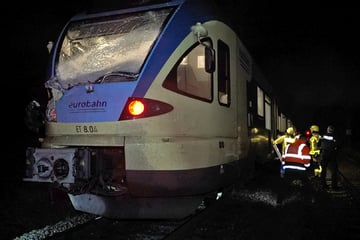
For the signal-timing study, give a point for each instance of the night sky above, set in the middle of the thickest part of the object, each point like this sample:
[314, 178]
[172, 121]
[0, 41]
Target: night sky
[310, 54]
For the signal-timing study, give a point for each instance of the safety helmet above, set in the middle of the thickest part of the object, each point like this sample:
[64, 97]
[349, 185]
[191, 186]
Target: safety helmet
[330, 129]
[290, 131]
[314, 128]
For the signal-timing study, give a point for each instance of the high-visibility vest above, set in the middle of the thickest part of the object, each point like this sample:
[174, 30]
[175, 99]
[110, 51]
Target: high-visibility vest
[314, 145]
[296, 156]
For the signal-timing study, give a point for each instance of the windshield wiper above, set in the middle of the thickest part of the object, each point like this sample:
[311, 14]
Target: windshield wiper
[124, 76]
[54, 83]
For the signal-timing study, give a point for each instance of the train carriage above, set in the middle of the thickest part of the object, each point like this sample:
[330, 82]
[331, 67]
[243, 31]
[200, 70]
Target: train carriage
[151, 109]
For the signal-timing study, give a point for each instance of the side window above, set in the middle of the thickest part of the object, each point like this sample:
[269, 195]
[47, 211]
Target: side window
[267, 112]
[189, 77]
[260, 102]
[223, 73]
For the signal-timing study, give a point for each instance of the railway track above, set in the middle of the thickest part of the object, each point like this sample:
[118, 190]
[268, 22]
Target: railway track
[236, 213]
[88, 226]
[184, 230]
[349, 176]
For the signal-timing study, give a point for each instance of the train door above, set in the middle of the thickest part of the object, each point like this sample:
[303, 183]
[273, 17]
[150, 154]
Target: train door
[233, 72]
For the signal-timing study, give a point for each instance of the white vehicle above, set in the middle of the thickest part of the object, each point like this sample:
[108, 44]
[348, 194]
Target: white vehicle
[152, 109]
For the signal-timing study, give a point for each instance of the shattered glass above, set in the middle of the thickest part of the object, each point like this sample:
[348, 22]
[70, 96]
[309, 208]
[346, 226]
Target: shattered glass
[107, 46]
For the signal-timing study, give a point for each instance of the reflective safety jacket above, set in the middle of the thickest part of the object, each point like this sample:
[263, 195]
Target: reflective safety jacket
[296, 156]
[284, 140]
[314, 145]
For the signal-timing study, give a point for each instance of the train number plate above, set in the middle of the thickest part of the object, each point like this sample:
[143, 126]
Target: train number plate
[86, 129]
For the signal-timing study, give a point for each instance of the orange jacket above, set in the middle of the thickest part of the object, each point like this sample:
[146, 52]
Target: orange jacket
[296, 156]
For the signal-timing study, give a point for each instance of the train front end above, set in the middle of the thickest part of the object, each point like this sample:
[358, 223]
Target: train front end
[96, 67]
[108, 144]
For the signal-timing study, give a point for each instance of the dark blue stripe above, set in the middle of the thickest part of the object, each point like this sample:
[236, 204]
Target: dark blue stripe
[178, 27]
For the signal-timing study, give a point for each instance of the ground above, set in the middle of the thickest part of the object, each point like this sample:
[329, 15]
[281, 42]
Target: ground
[249, 212]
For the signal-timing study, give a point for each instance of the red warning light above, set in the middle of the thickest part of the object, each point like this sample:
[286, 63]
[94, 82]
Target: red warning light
[136, 108]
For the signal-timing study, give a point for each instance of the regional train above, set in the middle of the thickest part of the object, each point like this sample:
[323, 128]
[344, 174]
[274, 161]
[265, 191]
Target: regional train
[152, 109]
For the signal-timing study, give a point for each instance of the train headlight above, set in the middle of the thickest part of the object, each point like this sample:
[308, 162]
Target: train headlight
[142, 107]
[136, 107]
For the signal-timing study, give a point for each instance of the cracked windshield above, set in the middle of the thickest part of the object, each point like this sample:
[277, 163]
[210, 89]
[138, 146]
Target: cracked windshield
[106, 50]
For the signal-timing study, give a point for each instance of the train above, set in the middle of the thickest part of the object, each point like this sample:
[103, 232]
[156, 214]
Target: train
[151, 109]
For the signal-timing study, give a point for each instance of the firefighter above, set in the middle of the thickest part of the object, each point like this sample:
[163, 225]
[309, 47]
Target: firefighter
[297, 156]
[315, 149]
[286, 139]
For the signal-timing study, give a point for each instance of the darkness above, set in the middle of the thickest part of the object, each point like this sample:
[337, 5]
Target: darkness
[310, 55]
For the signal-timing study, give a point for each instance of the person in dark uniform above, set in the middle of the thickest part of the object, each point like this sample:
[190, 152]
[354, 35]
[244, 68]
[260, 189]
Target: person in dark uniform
[328, 155]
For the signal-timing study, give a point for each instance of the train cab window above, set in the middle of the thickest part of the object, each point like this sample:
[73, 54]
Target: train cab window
[189, 77]
[223, 73]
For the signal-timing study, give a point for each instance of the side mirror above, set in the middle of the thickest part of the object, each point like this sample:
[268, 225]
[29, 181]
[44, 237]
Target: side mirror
[200, 32]
[209, 59]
